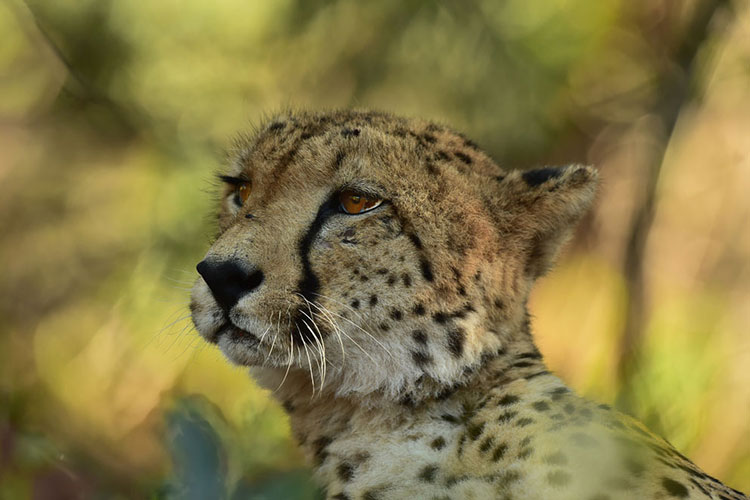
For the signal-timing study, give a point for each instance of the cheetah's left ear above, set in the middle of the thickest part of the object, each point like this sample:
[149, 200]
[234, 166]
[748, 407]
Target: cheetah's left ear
[542, 207]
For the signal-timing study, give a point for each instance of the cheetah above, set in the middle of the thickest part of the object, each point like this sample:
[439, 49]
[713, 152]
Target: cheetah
[373, 272]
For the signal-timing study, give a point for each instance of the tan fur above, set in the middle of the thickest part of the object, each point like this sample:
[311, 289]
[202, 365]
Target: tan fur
[398, 340]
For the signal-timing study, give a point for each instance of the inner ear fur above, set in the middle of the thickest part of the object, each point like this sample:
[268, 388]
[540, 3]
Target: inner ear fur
[539, 209]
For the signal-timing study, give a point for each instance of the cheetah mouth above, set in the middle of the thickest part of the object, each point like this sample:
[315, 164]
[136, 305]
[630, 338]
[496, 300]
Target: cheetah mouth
[236, 335]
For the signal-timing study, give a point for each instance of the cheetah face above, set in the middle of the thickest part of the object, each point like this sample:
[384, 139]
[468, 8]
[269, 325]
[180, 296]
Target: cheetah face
[375, 253]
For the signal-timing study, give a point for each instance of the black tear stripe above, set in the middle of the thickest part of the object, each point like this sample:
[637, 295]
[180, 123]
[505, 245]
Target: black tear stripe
[309, 285]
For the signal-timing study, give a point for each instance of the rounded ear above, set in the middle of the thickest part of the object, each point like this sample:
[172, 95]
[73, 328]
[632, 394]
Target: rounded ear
[540, 208]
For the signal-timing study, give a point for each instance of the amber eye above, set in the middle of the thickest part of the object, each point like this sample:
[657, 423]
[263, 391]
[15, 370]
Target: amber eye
[242, 192]
[354, 203]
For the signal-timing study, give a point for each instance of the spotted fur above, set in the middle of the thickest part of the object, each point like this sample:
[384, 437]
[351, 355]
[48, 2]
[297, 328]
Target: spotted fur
[398, 340]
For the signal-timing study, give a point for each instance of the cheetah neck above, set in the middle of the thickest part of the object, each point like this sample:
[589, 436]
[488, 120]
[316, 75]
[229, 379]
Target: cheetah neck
[314, 419]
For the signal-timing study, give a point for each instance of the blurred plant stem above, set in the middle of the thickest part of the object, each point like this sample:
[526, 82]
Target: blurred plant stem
[677, 88]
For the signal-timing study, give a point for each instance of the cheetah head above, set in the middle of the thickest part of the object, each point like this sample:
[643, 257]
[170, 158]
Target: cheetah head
[376, 254]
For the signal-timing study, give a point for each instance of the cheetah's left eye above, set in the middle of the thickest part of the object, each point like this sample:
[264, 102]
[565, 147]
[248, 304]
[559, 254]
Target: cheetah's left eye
[242, 192]
[354, 203]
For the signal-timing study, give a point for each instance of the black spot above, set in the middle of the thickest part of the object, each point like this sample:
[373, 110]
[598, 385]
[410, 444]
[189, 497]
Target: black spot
[541, 175]
[426, 269]
[486, 444]
[525, 453]
[432, 169]
[339, 159]
[499, 452]
[408, 400]
[407, 279]
[499, 178]
[345, 471]
[508, 400]
[558, 392]
[364, 278]
[449, 418]
[507, 416]
[428, 473]
[463, 157]
[396, 314]
[509, 477]
[370, 495]
[438, 443]
[419, 310]
[350, 132]
[440, 317]
[475, 430]
[420, 358]
[415, 240]
[429, 138]
[340, 496]
[399, 132]
[523, 422]
[499, 304]
[541, 406]
[556, 459]
[558, 478]
[461, 442]
[276, 126]
[355, 304]
[391, 280]
[419, 337]
[382, 270]
[674, 488]
[319, 448]
[446, 393]
[288, 406]
[470, 144]
[454, 480]
[456, 340]
[384, 326]
[373, 300]
[287, 158]
[305, 135]
[536, 374]
[522, 364]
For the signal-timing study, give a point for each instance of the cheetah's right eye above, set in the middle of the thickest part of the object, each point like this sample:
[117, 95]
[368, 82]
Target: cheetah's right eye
[354, 203]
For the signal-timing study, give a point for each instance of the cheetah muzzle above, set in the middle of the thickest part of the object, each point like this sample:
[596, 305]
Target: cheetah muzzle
[373, 271]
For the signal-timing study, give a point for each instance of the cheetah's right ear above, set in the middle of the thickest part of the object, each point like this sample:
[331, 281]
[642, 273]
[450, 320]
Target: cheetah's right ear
[540, 208]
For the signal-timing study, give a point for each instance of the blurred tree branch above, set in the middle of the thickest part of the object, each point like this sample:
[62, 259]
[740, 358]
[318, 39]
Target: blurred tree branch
[79, 85]
[677, 89]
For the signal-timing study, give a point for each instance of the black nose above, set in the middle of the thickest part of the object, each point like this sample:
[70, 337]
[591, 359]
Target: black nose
[229, 280]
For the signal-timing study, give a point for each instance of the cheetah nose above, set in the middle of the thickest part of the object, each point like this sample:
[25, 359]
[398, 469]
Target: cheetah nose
[229, 280]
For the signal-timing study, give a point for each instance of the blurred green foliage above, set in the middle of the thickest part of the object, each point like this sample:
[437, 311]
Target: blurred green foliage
[113, 118]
